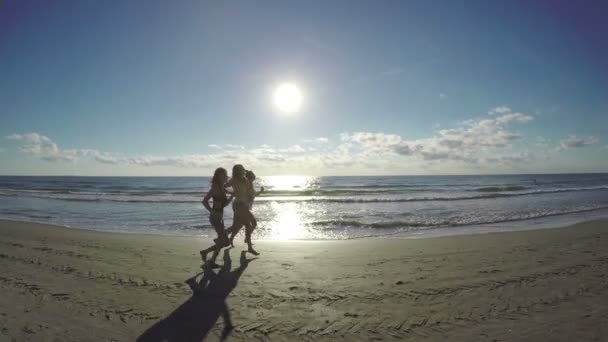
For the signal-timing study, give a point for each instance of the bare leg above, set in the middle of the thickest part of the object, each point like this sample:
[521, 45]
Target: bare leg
[204, 252]
[250, 228]
[248, 231]
[220, 242]
[234, 231]
[253, 223]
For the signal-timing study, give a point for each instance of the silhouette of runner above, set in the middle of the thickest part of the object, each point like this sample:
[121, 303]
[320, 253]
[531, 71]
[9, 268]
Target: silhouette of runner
[193, 320]
[216, 213]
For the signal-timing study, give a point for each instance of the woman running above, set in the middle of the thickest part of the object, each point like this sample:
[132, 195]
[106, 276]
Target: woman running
[216, 213]
[242, 216]
[251, 195]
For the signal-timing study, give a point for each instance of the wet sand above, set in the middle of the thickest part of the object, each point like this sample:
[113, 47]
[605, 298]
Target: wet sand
[74, 285]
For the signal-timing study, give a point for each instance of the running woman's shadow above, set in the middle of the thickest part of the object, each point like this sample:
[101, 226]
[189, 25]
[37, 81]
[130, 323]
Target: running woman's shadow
[193, 320]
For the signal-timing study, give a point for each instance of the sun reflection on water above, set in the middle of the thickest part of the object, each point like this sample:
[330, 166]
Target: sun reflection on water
[289, 182]
[288, 220]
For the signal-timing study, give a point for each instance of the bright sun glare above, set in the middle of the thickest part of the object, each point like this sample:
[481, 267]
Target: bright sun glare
[287, 97]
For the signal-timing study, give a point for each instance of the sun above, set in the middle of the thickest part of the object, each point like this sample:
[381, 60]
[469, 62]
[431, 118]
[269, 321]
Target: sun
[287, 97]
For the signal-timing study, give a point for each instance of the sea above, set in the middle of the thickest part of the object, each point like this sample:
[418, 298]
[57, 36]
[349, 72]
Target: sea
[306, 207]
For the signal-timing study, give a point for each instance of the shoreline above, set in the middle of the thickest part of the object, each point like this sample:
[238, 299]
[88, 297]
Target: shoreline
[547, 222]
[72, 284]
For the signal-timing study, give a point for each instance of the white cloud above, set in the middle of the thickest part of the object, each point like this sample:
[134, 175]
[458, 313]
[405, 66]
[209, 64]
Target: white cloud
[510, 159]
[573, 141]
[44, 148]
[484, 142]
[375, 141]
[293, 149]
[517, 117]
[36, 144]
[33, 138]
[235, 147]
[463, 143]
[106, 158]
[227, 146]
[499, 110]
[442, 96]
[320, 140]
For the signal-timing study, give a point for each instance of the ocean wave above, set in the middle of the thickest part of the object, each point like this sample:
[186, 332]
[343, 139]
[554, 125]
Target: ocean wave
[322, 197]
[502, 188]
[341, 224]
[455, 198]
[333, 192]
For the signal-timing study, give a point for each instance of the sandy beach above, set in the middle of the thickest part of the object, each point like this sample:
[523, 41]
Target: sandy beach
[61, 284]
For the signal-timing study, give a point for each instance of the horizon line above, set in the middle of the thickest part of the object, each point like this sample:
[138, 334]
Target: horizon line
[402, 175]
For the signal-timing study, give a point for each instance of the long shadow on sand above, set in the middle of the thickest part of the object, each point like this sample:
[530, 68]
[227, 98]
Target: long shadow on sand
[193, 320]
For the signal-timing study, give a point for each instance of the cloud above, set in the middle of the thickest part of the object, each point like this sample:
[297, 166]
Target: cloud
[483, 142]
[36, 144]
[517, 117]
[442, 96]
[462, 143]
[511, 159]
[41, 146]
[499, 110]
[33, 138]
[572, 141]
[106, 158]
[227, 146]
[293, 149]
[375, 141]
[235, 147]
[44, 148]
[320, 140]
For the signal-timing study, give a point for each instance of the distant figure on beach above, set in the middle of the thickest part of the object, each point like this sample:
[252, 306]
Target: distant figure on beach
[220, 200]
[242, 191]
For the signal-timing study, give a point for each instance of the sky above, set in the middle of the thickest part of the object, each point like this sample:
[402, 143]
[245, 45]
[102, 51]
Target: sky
[178, 88]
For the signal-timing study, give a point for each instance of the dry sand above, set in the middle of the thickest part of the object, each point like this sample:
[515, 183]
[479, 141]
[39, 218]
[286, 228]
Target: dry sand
[61, 284]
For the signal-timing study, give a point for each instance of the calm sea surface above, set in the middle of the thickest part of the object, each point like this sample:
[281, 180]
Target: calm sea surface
[300, 207]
